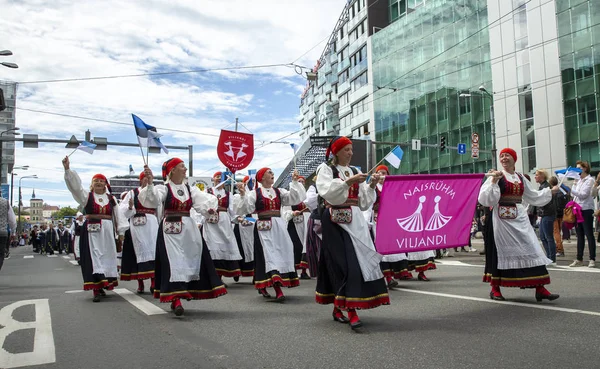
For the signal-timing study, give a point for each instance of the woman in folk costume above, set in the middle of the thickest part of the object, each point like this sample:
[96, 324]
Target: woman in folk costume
[297, 218]
[103, 222]
[76, 232]
[183, 267]
[139, 247]
[513, 255]
[392, 266]
[349, 273]
[313, 238]
[218, 233]
[273, 248]
[244, 235]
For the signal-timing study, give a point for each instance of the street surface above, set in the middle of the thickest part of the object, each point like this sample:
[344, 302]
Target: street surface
[450, 322]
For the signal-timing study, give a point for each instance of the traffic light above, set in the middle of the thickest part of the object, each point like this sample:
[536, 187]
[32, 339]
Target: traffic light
[442, 143]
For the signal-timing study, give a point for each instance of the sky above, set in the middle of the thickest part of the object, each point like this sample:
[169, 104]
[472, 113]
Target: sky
[66, 40]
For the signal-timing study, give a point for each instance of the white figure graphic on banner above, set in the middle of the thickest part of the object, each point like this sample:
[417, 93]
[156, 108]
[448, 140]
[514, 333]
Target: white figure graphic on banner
[414, 222]
[437, 220]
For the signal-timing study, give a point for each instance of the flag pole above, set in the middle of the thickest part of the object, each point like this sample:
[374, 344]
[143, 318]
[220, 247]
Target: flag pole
[563, 178]
[376, 165]
[143, 159]
[73, 152]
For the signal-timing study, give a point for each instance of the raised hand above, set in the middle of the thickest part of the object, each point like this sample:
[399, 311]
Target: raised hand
[148, 174]
[241, 188]
[65, 163]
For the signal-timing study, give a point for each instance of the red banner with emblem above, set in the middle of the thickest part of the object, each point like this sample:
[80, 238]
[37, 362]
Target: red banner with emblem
[235, 149]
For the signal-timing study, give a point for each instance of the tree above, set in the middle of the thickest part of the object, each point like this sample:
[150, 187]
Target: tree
[65, 212]
[16, 210]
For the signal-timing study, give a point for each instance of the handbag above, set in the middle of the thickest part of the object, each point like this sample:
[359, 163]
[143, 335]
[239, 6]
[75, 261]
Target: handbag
[507, 211]
[341, 215]
[139, 220]
[264, 224]
[213, 218]
[569, 216]
[173, 225]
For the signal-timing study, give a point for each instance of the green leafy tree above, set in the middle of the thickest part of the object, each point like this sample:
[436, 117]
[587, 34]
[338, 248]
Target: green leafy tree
[65, 212]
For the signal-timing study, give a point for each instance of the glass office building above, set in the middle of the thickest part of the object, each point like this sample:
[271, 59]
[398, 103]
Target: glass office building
[428, 66]
[579, 46]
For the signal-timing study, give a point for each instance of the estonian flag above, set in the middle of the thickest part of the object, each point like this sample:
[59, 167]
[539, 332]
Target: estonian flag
[569, 172]
[147, 135]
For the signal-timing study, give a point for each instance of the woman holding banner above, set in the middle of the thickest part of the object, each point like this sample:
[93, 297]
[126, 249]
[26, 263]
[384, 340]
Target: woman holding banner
[273, 248]
[513, 257]
[139, 248]
[218, 232]
[184, 269]
[392, 266]
[349, 276]
[103, 222]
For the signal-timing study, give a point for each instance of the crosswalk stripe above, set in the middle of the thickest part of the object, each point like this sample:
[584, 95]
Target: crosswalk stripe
[66, 257]
[559, 268]
[52, 256]
[28, 257]
[74, 262]
[145, 306]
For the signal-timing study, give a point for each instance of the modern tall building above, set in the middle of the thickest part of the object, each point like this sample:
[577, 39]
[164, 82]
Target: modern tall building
[488, 74]
[7, 121]
[337, 102]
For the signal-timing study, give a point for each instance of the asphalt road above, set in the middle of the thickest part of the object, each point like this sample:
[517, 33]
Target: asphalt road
[449, 322]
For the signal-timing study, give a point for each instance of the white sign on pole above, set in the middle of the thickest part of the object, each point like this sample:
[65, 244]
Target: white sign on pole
[416, 144]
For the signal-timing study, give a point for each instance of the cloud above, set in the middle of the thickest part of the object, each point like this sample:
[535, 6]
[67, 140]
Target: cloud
[68, 39]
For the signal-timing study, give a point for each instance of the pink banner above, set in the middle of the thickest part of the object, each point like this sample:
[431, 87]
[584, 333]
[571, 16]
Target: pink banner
[426, 212]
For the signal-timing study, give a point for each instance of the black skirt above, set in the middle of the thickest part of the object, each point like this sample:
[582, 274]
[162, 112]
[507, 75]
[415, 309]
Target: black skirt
[340, 281]
[247, 268]
[130, 269]
[524, 277]
[209, 286]
[91, 281]
[396, 269]
[313, 248]
[300, 258]
[264, 279]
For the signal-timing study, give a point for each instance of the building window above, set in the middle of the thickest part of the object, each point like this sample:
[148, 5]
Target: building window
[343, 77]
[359, 81]
[360, 107]
[344, 99]
[465, 106]
[587, 110]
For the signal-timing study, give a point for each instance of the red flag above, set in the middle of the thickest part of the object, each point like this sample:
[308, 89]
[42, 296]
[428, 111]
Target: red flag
[235, 149]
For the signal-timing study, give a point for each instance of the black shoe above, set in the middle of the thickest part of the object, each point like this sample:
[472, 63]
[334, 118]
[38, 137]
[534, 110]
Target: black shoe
[551, 297]
[356, 326]
[280, 298]
[341, 319]
[304, 276]
[152, 290]
[96, 298]
[178, 310]
[264, 293]
[236, 278]
[101, 293]
[393, 283]
[497, 298]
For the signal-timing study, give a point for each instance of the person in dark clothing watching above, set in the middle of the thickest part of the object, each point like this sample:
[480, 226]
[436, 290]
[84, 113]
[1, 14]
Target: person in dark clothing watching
[547, 213]
[52, 239]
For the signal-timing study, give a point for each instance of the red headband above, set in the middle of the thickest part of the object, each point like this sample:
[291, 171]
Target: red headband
[218, 174]
[101, 176]
[510, 152]
[300, 177]
[382, 167]
[168, 166]
[246, 179]
[142, 176]
[261, 172]
[336, 145]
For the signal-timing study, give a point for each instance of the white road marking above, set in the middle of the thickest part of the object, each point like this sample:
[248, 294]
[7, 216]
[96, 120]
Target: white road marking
[52, 256]
[74, 262]
[145, 306]
[560, 268]
[43, 342]
[66, 257]
[74, 291]
[28, 257]
[521, 304]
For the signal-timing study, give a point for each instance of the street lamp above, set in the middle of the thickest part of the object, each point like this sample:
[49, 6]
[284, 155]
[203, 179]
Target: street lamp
[12, 180]
[492, 122]
[21, 202]
[9, 131]
[7, 64]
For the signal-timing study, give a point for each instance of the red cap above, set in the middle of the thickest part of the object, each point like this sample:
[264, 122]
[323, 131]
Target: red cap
[337, 144]
[168, 166]
[102, 176]
[142, 175]
[218, 174]
[510, 152]
[246, 179]
[382, 167]
[261, 172]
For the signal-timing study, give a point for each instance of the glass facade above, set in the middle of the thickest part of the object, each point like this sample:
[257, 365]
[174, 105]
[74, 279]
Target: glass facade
[579, 46]
[427, 69]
